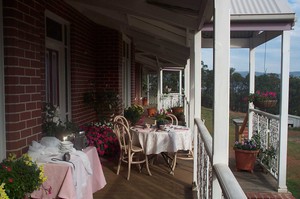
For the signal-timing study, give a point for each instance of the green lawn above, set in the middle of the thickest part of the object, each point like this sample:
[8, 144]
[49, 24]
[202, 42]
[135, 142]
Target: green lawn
[293, 166]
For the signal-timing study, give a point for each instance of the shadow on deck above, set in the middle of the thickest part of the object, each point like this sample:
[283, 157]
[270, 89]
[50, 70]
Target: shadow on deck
[162, 185]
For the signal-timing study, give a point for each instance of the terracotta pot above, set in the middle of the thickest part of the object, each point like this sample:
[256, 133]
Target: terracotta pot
[151, 111]
[245, 159]
[176, 110]
[145, 101]
[265, 104]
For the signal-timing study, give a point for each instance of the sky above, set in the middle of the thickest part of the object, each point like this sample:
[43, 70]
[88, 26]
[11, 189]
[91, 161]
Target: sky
[267, 55]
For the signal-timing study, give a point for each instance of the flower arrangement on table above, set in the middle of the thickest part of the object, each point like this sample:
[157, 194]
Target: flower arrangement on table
[133, 113]
[269, 98]
[103, 138]
[51, 121]
[20, 176]
[161, 117]
[52, 124]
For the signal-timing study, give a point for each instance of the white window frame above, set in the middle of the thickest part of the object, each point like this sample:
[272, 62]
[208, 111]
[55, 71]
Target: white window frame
[60, 46]
[126, 72]
[2, 93]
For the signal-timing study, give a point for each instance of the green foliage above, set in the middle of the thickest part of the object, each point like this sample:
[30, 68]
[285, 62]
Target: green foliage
[171, 82]
[133, 113]
[266, 156]
[161, 117]
[152, 84]
[249, 145]
[52, 124]
[105, 103]
[294, 96]
[260, 96]
[20, 176]
[207, 83]
[239, 90]
[293, 186]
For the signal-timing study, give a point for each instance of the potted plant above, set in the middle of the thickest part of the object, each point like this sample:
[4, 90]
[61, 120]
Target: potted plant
[161, 117]
[52, 124]
[133, 113]
[151, 111]
[20, 176]
[104, 102]
[103, 138]
[176, 110]
[262, 99]
[246, 153]
[145, 101]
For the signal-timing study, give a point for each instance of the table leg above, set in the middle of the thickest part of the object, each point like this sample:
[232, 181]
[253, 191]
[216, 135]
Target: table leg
[167, 158]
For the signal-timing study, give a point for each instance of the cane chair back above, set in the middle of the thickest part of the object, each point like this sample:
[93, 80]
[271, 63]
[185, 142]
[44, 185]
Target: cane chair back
[173, 118]
[121, 119]
[129, 153]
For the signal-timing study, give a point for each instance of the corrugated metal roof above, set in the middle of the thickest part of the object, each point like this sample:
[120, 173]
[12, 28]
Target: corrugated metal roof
[257, 7]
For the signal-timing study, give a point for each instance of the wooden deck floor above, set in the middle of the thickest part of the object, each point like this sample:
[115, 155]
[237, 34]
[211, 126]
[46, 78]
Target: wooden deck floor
[162, 185]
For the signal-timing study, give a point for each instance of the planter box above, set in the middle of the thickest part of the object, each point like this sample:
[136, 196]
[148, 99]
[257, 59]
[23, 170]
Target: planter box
[265, 104]
[245, 160]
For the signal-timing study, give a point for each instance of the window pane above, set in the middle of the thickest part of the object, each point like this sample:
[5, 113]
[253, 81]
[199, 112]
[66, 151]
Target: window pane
[53, 29]
[170, 81]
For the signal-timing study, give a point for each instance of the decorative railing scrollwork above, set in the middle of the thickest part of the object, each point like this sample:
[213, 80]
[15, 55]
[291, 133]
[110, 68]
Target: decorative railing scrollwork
[267, 126]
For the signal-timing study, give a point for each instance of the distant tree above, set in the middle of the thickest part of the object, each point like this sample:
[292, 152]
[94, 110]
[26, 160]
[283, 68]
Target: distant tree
[294, 96]
[239, 89]
[207, 90]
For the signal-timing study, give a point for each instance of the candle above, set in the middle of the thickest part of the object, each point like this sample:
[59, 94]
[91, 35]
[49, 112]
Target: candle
[65, 138]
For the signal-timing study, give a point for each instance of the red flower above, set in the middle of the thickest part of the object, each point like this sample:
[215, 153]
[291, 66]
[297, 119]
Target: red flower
[8, 169]
[10, 180]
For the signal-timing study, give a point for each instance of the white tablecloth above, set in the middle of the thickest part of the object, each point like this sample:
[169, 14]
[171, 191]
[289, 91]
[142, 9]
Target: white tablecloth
[169, 140]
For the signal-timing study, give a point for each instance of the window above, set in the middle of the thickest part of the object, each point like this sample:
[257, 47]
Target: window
[57, 69]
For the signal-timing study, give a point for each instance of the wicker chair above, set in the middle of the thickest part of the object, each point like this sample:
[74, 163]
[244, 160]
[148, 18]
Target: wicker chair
[173, 118]
[130, 153]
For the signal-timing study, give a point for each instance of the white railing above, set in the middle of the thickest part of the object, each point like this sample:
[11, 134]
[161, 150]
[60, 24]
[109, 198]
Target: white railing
[228, 183]
[267, 126]
[171, 100]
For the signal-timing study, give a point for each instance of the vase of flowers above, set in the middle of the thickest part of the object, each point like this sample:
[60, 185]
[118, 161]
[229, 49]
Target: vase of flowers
[52, 124]
[161, 117]
[265, 99]
[20, 176]
[246, 153]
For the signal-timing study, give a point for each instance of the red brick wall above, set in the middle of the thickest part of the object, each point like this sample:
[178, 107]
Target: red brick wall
[95, 54]
[22, 59]
[109, 62]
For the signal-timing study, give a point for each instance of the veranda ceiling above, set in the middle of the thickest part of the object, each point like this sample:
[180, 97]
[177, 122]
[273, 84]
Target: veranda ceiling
[162, 29]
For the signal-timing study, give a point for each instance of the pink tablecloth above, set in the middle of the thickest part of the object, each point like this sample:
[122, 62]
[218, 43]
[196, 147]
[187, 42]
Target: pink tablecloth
[61, 179]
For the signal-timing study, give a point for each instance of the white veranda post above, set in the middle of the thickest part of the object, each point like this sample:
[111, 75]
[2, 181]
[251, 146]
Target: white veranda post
[284, 100]
[221, 87]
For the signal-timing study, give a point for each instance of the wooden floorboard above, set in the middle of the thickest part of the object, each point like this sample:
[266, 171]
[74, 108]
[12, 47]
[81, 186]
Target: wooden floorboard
[161, 185]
